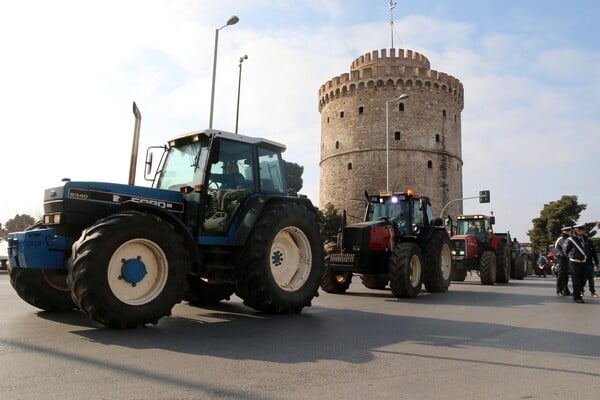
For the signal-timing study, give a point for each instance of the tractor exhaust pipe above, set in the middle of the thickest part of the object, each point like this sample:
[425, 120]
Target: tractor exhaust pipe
[136, 142]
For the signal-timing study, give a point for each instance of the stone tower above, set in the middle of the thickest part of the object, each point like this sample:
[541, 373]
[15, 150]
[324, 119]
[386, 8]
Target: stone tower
[424, 132]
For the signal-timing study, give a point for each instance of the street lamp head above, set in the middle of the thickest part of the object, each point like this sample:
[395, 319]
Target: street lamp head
[233, 20]
[245, 57]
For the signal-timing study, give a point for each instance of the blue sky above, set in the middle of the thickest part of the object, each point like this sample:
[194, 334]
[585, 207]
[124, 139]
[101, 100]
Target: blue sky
[71, 69]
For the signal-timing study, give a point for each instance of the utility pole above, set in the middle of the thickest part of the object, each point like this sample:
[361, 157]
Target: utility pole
[392, 6]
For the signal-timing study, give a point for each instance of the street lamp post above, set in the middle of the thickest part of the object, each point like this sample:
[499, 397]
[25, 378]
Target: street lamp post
[237, 110]
[387, 138]
[231, 21]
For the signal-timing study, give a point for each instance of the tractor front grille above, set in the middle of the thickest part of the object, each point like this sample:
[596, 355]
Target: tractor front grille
[342, 258]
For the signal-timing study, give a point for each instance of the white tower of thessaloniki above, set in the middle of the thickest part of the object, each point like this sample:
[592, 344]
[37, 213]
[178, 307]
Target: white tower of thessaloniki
[424, 132]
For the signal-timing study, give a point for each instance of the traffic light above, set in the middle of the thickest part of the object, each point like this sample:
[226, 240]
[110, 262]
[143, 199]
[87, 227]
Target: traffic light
[484, 196]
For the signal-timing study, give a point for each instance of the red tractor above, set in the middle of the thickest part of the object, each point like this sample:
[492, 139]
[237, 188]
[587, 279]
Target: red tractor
[475, 247]
[398, 242]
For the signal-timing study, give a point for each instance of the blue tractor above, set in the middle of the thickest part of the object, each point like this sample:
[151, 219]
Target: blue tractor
[217, 221]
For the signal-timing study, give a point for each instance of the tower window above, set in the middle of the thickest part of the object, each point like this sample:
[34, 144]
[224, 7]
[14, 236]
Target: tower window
[349, 166]
[361, 110]
[401, 107]
[444, 113]
[341, 114]
[337, 144]
[397, 135]
[437, 138]
[327, 119]
[429, 164]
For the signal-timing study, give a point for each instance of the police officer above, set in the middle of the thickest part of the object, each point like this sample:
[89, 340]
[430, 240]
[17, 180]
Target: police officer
[575, 249]
[562, 276]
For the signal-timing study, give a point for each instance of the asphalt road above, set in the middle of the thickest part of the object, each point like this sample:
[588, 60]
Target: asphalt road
[514, 341]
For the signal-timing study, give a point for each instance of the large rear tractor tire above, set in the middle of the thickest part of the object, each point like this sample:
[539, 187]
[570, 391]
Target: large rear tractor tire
[406, 267]
[487, 268]
[438, 259]
[502, 263]
[375, 281]
[46, 289]
[281, 265]
[129, 270]
[520, 268]
[202, 293]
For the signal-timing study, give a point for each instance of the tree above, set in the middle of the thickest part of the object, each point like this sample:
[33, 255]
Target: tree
[293, 174]
[3, 232]
[17, 224]
[332, 221]
[554, 215]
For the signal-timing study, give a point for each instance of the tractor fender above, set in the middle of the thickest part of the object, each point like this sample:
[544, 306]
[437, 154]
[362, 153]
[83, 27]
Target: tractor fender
[178, 224]
[253, 207]
[495, 242]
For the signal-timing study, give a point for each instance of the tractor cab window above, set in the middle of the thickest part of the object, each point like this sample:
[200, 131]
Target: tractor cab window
[394, 209]
[270, 171]
[183, 166]
[230, 181]
[472, 227]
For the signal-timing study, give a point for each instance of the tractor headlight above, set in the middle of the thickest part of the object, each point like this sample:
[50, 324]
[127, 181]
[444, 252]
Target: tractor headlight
[52, 219]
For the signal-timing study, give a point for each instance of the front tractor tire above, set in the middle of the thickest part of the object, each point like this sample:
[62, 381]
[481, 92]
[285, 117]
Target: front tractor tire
[129, 270]
[405, 269]
[45, 289]
[334, 281]
[281, 265]
[439, 262]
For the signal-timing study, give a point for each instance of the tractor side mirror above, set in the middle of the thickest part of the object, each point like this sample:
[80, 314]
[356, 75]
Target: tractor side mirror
[492, 220]
[149, 158]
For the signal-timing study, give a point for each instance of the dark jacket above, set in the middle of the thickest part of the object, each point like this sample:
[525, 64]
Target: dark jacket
[590, 252]
[576, 248]
[560, 246]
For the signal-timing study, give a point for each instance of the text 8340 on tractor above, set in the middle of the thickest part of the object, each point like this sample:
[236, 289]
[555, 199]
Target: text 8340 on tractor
[398, 242]
[217, 221]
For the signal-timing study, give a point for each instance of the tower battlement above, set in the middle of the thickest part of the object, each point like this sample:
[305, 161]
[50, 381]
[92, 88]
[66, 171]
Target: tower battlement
[400, 68]
[396, 56]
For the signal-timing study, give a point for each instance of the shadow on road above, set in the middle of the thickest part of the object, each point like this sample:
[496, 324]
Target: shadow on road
[233, 331]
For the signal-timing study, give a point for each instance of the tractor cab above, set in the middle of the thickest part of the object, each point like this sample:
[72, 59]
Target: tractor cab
[217, 172]
[406, 210]
[479, 226]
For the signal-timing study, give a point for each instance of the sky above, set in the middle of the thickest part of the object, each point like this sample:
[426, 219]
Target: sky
[71, 70]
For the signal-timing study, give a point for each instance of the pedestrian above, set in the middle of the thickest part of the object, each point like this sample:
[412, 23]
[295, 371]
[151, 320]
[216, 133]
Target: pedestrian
[542, 261]
[575, 249]
[591, 262]
[562, 275]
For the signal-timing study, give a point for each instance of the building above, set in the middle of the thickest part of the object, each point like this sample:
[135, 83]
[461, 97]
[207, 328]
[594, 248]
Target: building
[424, 132]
